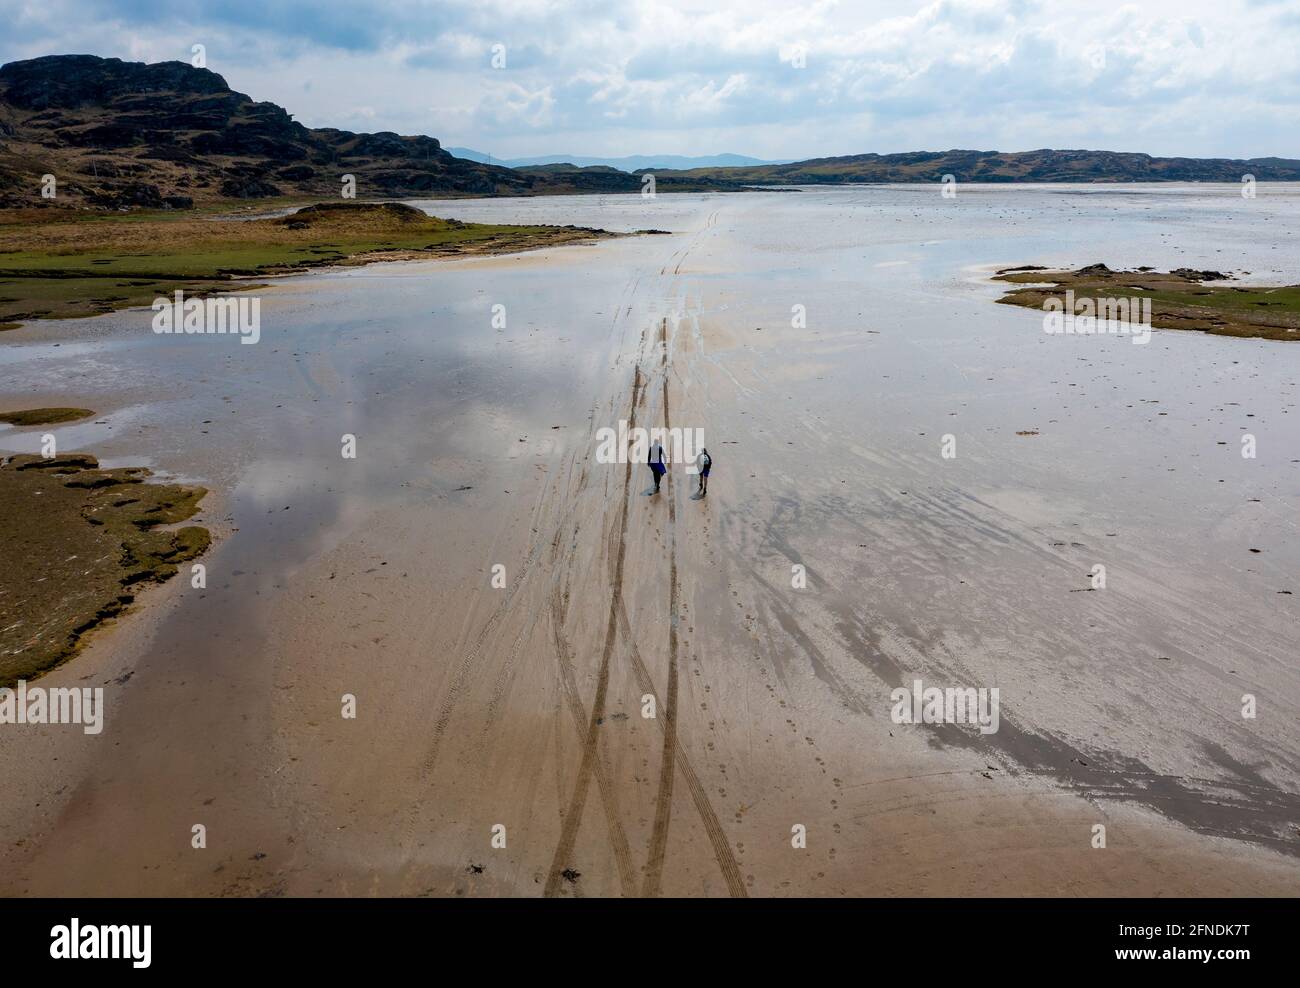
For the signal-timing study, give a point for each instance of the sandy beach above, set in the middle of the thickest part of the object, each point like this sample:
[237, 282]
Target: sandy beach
[826, 342]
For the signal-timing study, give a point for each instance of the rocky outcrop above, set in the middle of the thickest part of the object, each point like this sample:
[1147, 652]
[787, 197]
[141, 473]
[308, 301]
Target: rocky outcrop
[121, 134]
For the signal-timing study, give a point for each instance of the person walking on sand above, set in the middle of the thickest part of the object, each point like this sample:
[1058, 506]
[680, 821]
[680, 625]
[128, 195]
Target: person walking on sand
[656, 463]
[704, 462]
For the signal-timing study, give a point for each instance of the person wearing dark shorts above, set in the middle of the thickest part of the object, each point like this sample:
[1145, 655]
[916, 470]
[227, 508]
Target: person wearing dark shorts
[656, 463]
[705, 462]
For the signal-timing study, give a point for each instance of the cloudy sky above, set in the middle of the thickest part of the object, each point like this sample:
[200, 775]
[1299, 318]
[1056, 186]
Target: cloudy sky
[770, 78]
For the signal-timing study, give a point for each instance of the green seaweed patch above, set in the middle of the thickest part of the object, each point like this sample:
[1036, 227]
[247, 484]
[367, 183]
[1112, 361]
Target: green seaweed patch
[80, 542]
[45, 416]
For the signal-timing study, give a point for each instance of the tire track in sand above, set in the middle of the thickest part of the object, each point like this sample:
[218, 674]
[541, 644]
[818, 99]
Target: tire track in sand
[674, 754]
[469, 657]
[712, 825]
[573, 817]
[573, 699]
[667, 758]
[617, 836]
[722, 851]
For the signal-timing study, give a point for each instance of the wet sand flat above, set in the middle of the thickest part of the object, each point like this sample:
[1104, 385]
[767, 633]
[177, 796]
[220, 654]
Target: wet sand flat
[517, 711]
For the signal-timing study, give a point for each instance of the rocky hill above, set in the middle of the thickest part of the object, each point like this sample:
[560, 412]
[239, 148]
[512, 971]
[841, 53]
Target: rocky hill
[122, 134]
[1001, 166]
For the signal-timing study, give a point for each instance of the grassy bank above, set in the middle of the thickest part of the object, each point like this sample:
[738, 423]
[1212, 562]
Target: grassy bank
[66, 263]
[1180, 299]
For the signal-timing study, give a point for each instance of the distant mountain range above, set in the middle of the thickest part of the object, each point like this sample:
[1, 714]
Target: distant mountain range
[630, 163]
[1001, 166]
[119, 135]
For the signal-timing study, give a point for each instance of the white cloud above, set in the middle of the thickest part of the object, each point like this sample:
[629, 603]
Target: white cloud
[1195, 77]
